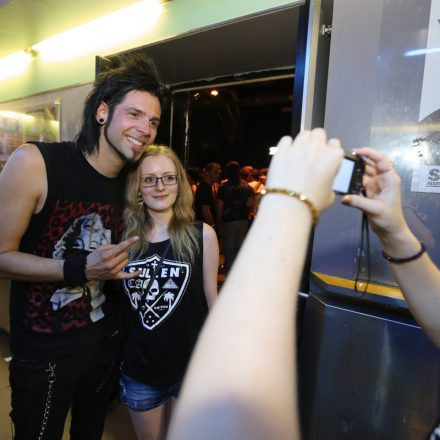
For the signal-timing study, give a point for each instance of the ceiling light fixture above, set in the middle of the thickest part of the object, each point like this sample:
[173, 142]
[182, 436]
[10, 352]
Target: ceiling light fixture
[15, 115]
[15, 64]
[103, 33]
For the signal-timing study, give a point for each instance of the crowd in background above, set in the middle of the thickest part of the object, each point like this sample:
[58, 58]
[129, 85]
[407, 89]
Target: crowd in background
[227, 200]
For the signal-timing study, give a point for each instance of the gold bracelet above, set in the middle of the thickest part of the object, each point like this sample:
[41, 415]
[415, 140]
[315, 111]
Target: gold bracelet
[299, 196]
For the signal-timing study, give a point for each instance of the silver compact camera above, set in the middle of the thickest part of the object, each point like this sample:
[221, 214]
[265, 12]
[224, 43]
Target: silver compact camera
[349, 177]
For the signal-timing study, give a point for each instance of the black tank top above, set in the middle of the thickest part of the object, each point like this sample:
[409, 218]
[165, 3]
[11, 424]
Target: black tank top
[82, 211]
[164, 321]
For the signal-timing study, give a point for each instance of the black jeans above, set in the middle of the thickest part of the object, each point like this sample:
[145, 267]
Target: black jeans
[83, 382]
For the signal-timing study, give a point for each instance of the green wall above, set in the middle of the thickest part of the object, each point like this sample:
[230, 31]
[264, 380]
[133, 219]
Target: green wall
[179, 16]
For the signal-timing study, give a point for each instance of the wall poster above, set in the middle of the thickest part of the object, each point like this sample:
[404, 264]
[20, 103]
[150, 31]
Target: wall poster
[34, 124]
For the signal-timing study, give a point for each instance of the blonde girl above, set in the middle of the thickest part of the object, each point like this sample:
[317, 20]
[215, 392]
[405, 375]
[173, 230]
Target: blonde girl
[177, 262]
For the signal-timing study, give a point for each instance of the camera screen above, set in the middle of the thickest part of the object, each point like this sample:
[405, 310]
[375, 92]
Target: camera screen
[341, 184]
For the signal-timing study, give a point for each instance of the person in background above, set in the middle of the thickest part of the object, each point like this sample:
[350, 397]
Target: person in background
[234, 203]
[263, 175]
[169, 299]
[247, 174]
[241, 380]
[61, 220]
[194, 177]
[204, 197]
[258, 185]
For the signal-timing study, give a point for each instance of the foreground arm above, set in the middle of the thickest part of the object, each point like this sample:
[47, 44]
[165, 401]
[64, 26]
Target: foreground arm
[23, 191]
[241, 380]
[419, 280]
[210, 264]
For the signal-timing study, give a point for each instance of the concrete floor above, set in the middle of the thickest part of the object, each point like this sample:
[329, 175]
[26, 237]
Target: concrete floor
[117, 425]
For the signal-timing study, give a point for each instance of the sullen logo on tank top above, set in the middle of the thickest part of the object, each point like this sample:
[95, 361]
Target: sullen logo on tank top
[165, 292]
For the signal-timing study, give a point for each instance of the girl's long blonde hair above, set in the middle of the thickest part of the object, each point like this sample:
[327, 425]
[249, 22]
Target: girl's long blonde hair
[184, 235]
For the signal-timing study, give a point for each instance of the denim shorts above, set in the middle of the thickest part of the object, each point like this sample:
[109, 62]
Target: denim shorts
[139, 396]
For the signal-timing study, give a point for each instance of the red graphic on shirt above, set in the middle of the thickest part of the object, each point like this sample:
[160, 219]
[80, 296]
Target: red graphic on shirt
[74, 228]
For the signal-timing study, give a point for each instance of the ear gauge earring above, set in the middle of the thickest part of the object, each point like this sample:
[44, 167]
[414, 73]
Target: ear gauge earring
[101, 121]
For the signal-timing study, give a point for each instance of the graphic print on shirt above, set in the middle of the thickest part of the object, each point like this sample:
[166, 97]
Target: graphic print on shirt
[165, 292]
[74, 227]
[86, 233]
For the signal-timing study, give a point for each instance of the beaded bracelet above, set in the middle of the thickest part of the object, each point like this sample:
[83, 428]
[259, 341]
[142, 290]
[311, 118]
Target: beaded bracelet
[299, 196]
[407, 259]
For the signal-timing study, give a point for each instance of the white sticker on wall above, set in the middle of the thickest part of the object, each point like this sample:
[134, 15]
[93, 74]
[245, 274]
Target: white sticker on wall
[426, 179]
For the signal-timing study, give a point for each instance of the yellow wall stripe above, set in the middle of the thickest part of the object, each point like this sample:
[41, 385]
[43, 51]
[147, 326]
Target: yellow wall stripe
[375, 289]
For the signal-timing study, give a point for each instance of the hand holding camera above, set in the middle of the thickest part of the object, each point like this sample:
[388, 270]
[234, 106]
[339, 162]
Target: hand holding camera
[307, 165]
[382, 203]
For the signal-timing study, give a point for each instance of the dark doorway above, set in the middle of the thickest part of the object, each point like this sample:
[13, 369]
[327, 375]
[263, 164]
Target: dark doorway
[250, 113]
[231, 122]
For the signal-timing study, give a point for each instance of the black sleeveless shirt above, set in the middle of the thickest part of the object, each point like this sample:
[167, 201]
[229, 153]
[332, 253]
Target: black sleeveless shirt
[82, 211]
[164, 321]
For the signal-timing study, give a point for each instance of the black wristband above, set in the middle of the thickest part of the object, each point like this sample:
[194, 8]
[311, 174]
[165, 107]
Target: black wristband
[74, 270]
[407, 259]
